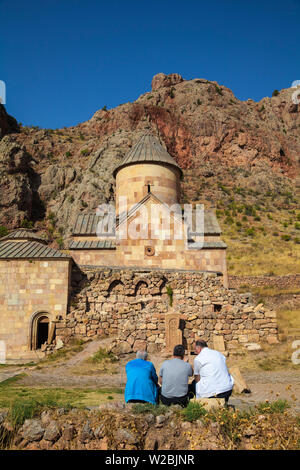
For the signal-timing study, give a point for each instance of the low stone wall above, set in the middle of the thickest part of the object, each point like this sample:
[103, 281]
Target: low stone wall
[133, 306]
[281, 282]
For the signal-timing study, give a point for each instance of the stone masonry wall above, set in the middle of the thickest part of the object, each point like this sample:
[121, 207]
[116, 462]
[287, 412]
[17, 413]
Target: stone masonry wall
[28, 287]
[131, 305]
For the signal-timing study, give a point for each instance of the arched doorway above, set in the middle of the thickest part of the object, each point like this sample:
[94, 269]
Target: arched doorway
[39, 330]
[42, 331]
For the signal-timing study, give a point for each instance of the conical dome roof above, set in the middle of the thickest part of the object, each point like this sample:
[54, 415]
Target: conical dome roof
[147, 149]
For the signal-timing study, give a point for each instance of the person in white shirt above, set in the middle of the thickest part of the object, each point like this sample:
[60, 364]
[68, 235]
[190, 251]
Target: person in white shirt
[211, 374]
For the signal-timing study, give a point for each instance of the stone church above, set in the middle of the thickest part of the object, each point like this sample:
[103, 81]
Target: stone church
[152, 279]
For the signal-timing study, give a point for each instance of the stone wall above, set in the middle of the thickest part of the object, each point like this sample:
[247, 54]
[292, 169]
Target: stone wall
[28, 287]
[280, 282]
[132, 306]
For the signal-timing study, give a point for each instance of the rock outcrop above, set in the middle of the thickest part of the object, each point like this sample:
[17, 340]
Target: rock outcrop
[212, 135]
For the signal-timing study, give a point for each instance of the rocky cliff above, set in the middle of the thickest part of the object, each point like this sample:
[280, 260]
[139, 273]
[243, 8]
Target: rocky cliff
[231, 151]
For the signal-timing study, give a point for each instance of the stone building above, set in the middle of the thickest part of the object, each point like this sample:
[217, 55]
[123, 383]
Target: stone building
[34, 294]
[147, 195]
[127, 274]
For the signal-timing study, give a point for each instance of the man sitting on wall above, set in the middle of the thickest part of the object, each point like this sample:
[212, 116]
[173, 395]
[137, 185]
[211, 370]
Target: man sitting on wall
[174, 376]
[216, 382]
[141, 386]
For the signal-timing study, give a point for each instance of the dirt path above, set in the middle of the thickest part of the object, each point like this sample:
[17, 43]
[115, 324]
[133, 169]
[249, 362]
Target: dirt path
[264, 385]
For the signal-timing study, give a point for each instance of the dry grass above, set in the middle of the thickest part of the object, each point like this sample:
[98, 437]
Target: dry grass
[269, 358]
[261, 256]
[288, 321]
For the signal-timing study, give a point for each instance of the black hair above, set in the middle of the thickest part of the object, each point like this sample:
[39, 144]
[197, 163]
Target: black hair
[178, 351]
[201, 343]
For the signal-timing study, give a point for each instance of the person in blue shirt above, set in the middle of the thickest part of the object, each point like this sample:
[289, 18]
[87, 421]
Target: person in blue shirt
[142, 381]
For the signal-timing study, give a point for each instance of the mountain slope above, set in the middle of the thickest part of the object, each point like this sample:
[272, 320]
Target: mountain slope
[240, 157]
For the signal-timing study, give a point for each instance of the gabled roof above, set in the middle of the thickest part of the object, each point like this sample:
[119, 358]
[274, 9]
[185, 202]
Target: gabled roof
[21, 234]
[28, 250]
[147, 149]
[87, 224]
[125, 215]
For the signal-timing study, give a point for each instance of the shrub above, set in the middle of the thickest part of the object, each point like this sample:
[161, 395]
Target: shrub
[171, 93]
[170, 294]
[277, 406]
[3, 231]
[193, 411]
[84, 152]
[22, 409]
[26, 223]
[228, 220]
[297, 226]
[249, 210]
[144, 408]
[60, 243]
[68, 154]
[103, 354]
[250, 232]
[285, 238]
[275, 93]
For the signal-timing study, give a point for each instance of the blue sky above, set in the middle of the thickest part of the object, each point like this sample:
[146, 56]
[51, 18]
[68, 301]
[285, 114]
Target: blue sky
[62, 60]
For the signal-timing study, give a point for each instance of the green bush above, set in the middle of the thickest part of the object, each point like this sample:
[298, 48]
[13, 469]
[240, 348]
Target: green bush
[170, 294]
[3, 231]
[277, 406]
[250, 232]
[103, 354]
[193, 411]
[275, 93]
[26, 223]
[285, 238]
[249, 210]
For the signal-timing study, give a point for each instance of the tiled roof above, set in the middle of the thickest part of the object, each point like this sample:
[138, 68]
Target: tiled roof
[28, 250]
[211, 225]
[21, 234]
[92, 245]
[86, 224]
[147, 149]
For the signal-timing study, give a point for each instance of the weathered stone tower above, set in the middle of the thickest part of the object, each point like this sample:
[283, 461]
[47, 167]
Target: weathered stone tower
[147, 167]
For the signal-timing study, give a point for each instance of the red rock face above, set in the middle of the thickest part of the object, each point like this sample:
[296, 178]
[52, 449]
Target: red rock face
[203, 125]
